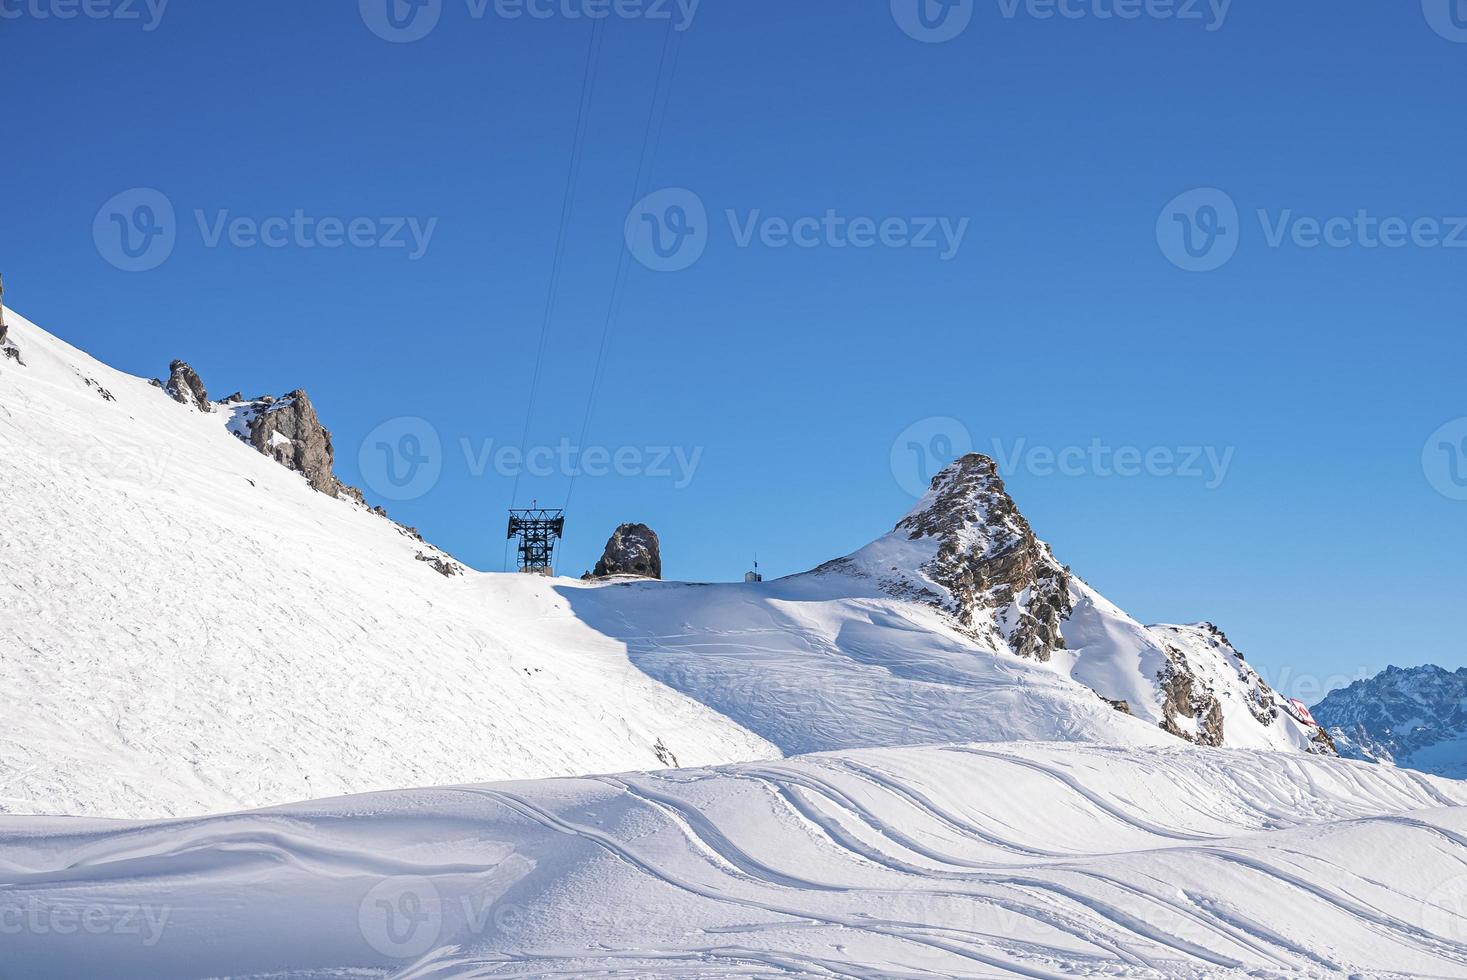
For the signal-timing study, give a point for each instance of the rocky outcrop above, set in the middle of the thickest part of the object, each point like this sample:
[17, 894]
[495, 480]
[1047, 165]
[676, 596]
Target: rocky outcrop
[290, 432]
[633, 550]
[1002, 581]
[1190, 709]
[441, 565]
[186, 387]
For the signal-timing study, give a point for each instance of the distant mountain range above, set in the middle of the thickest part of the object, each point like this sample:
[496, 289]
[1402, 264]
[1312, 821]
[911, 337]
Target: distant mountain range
[1413, 717]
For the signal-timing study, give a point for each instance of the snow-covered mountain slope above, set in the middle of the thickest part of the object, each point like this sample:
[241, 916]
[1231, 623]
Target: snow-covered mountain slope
[945, 861]
[198, 616]
[966, 551]
[187, 626]
[1415, 718]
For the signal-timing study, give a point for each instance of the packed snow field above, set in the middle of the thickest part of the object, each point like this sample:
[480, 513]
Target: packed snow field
[187, 627]
[943, 861]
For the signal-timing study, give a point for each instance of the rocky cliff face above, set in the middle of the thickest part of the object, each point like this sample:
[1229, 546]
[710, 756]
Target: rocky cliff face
[290, 431]
[186, 387]
[633, 550]
[1001, 583]
[1415, 718]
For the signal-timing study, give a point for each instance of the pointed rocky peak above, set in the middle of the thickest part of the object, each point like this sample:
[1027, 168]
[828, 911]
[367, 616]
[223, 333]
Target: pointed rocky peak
[966, 549]
[634, 549]
[186, 387]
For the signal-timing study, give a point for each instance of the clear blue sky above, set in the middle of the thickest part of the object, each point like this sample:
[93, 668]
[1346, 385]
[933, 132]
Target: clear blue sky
[1062, 320]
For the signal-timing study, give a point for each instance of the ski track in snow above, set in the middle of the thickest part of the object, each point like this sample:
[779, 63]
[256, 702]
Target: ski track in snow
[1016, 860]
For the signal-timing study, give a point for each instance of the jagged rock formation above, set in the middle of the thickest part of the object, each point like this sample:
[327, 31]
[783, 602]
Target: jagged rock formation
[1190, 709]
[633, 550]
[186, 387]
[966, 551]
[1002, 581]
[1414, 717]
[289, 431]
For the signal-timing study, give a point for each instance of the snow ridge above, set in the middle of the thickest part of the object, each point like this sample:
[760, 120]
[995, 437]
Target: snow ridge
[975, 860]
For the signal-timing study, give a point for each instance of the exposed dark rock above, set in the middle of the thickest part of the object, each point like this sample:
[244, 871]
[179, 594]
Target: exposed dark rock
[234, 398]
[1186, 697]
[664, 754]
[442, 566]
[632, 550]
[290, 432]
[187, 388]
[1124, 707]
[999, 575]
[106, 395]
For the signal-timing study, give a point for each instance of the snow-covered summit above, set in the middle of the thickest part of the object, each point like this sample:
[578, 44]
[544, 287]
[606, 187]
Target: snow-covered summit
[967, 551]
[1411, 717]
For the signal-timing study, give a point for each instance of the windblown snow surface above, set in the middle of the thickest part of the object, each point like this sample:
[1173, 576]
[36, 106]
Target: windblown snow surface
[186, 627]
[944, 861]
